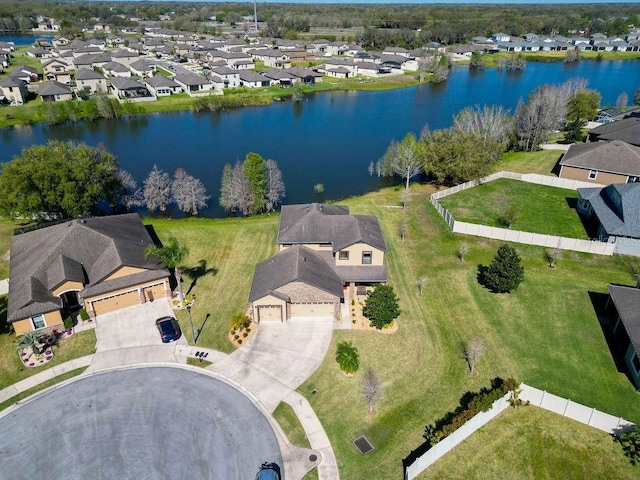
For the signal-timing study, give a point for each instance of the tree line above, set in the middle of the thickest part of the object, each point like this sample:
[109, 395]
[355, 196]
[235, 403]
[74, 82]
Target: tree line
[479, 136]
[252, 186]
[68, 180]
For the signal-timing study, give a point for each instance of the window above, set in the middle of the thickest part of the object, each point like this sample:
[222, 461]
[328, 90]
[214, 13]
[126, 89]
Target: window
[38, 321]
[593, 174]
[344, 255]
[632, 180]
[636, 364]
[366, 258]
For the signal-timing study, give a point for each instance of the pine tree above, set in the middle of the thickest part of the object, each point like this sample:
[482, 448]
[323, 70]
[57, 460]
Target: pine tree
[505, 272]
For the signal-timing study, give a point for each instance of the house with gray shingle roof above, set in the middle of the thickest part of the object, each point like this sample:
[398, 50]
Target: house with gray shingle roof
[601, 162]
[325, 253]
[53, 91]
[129, 88]
[162, 86]
[626, 130]
[14, 90]
[89, 79]
[624, 302]
[615, 210]
[95, 262]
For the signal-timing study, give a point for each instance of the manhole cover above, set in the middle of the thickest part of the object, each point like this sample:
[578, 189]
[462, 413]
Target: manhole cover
[363, 445]
[313, 458]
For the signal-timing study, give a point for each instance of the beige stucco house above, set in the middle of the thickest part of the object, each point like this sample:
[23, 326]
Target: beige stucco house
[97, 263]
[325, 253]
[602, 162]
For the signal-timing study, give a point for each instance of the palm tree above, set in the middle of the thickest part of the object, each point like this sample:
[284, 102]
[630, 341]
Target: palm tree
[171, 255]
[28, 340]
[347, 357]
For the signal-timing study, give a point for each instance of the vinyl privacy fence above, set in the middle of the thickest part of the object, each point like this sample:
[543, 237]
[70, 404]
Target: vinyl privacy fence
[508, 235]
[539, 398]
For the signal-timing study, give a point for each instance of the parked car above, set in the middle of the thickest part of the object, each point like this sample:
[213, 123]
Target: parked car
[269, 471]
[169, 329]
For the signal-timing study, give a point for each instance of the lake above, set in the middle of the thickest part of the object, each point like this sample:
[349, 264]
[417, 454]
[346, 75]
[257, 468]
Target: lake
[328, 138]
[23, 39]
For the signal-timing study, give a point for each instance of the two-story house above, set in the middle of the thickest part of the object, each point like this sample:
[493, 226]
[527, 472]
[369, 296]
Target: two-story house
[325, 255]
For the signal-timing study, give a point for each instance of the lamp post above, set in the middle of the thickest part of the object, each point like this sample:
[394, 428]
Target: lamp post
[193, 333]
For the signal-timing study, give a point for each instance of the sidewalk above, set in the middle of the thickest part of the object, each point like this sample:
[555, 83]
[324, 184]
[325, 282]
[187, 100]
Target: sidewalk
[43, 376]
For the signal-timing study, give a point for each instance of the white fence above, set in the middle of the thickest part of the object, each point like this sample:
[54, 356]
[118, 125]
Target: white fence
[589, 416]
[445, 445]
[580, 413]
[528, 238]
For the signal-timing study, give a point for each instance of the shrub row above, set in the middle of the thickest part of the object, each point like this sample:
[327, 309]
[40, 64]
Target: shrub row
[471, 404]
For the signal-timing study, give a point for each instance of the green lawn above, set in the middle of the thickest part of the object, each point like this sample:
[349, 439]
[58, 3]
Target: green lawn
[13, 370]
[288, 421]
[533, 443]
[539, 208]
[542, 162]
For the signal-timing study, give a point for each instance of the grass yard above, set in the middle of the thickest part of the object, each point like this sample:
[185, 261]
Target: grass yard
[12, 369]
[533, 443]
[539, 208]
[546, 333]
[542, 162]
[288, 421]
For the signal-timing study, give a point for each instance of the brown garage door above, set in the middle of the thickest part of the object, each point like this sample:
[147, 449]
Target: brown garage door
[270, 312]
[116, 302]
[312, 309]
[154, 292]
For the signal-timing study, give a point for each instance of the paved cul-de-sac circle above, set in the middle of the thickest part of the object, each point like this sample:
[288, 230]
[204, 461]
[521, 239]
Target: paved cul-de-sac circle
[143, 423]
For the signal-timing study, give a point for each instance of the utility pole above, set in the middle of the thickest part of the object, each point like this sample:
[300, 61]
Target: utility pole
[255, 15]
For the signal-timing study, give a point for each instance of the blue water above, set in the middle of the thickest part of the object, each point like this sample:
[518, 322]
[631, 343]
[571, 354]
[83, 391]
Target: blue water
[328, 138]
[20, 40]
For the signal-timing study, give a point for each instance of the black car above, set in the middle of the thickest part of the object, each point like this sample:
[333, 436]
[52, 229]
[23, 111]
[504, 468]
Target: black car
[269, 471]
[169, 329]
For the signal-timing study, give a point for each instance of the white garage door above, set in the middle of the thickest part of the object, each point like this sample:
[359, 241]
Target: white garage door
[270, 312]
[312, 309]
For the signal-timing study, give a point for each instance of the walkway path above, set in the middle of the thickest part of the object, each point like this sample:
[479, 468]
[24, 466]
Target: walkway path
[270, 367]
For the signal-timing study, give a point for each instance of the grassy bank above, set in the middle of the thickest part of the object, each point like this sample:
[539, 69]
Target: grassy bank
[493, 60]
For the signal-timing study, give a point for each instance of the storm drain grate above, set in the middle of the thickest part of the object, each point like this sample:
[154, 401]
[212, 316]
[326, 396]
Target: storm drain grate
[363, 445]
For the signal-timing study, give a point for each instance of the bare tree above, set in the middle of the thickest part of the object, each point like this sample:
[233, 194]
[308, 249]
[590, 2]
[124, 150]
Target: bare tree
[371, 168]
[226, 188]
[422, 282]
[463, 249]
[491, 123]
[553, 256]
[131, 193]
[371, 388]
[404, 228]
[188, 192]
[622, 100]
[157, 190]
[404, 158]
[275, 185]
[242, 196]
[472, 351]
[405, 197]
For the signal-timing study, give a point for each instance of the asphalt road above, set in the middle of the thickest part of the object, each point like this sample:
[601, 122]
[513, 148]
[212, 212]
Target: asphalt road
[147, 423]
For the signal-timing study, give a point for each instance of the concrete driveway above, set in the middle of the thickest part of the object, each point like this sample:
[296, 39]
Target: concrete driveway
[149, 423]
[133, 326]
[278, 358]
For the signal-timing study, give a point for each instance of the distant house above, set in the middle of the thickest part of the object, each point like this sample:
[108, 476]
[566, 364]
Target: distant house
[325, 253]
[280, 77]
[90, 80]
[53, 91]
[26, 73]
[626, 130]
[115, 69]
[14, 90]
[142, 68]
[601, 162]
[128, 88]
[306, 76]
[97, 263]
[162, 86]
[57, 70]
[500, 37]
[92, 60]
[229, 76]
[402, 52]
[39, 53]
[251, 79]
[615, 209]
[193, 84]
[625, 303]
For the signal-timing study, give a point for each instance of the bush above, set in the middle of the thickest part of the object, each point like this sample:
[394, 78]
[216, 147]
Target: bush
[630, 441]
[239, 321]
[505, 272]
[347, 357]
[381, 306]
[83, 314]
[471, 404]
[68, 322]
